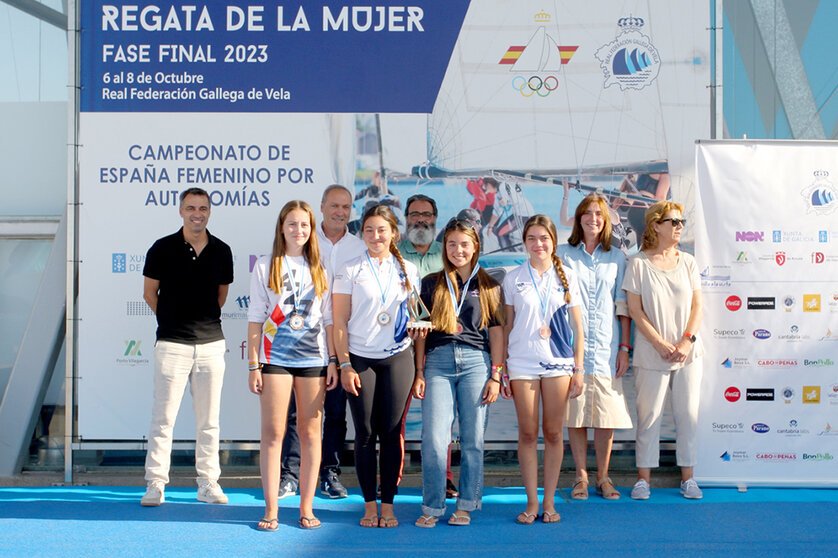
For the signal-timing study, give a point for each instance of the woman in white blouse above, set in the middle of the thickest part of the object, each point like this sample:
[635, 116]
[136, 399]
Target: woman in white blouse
[664, 298]
[289, 343]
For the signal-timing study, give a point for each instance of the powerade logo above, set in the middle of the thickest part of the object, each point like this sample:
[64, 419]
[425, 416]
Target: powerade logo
[733, 303]
[760, 427]
[759, 394]
[761, 303]
[750, 236]
[762, 333]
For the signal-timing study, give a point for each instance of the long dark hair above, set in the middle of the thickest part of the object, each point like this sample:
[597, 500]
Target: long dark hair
[442, 310]
[387, 214]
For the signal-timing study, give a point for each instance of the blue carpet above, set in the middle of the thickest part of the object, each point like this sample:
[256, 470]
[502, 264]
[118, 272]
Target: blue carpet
[108, 521]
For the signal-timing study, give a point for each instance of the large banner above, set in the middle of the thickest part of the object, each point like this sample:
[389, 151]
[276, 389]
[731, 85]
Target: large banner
[767, 248]
[486, 106]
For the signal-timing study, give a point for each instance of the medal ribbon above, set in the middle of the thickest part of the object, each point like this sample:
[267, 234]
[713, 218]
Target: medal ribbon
[378, 281]
[297, 296]
[458, 307]
[545, 300]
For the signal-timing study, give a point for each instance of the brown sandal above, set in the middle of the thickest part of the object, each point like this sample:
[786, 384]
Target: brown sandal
[605, 488]
[580, 489]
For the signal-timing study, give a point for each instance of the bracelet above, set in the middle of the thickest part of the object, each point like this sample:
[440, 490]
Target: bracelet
[497, 368]
[333, 359]
[345, 364]
[492, 378]
[577, 369]
[254, 366]
[625, 347]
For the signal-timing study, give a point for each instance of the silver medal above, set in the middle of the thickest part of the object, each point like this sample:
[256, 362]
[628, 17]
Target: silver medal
[383, 318]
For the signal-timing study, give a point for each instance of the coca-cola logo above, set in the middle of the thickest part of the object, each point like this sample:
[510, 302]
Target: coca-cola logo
[733, 303]
[732, 394]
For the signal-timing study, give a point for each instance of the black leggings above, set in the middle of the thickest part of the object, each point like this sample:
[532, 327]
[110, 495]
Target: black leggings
[378, 412]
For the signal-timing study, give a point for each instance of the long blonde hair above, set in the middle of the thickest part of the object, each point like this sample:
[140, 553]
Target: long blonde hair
[443, 313]
[544, 221]
[311, 250]
[387, 214]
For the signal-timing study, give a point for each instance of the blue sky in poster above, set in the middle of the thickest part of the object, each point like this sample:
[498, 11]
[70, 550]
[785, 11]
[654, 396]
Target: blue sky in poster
[266, 56]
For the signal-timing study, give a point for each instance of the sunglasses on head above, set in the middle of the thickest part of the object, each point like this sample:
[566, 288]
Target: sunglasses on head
[453, 223]
[675, 221]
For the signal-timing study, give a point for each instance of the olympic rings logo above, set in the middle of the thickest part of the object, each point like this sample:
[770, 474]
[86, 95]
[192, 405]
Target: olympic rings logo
[535, 85]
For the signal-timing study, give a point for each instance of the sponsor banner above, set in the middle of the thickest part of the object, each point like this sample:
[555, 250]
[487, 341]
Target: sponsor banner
[768, 401]
[262, 102]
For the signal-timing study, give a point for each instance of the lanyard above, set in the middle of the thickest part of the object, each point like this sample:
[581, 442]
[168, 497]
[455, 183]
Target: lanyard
[459, 307]
[297, 296]
[377, 280]
[545, 300]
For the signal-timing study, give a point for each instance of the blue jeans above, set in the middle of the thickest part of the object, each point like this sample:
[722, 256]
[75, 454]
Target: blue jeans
[455, 377]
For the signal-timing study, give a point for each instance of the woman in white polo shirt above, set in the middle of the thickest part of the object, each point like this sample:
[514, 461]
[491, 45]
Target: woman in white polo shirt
[370, 301]
[289, 343]
[544, 358]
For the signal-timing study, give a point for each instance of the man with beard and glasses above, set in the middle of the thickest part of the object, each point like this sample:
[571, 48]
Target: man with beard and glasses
[419, 246]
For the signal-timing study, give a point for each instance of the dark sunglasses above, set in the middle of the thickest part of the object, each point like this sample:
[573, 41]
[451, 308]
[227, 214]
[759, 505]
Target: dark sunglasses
[675, 222]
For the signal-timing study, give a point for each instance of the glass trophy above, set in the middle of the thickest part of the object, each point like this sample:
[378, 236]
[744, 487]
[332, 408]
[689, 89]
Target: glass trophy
[419, 313]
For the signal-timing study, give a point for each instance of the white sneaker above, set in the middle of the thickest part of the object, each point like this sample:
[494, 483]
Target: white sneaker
[210, 492]
[154, 494]
[690, 489]
[641, 490]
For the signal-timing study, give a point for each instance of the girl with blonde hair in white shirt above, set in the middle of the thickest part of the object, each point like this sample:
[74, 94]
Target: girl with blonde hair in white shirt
[289, 340]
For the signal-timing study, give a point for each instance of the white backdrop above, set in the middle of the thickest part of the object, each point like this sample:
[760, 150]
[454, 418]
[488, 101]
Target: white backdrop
[585, 121]
[119, 223]
[767, 248]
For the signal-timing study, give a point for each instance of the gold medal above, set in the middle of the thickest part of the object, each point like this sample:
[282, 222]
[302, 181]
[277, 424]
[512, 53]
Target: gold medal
[544, 331]
[383, 318]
